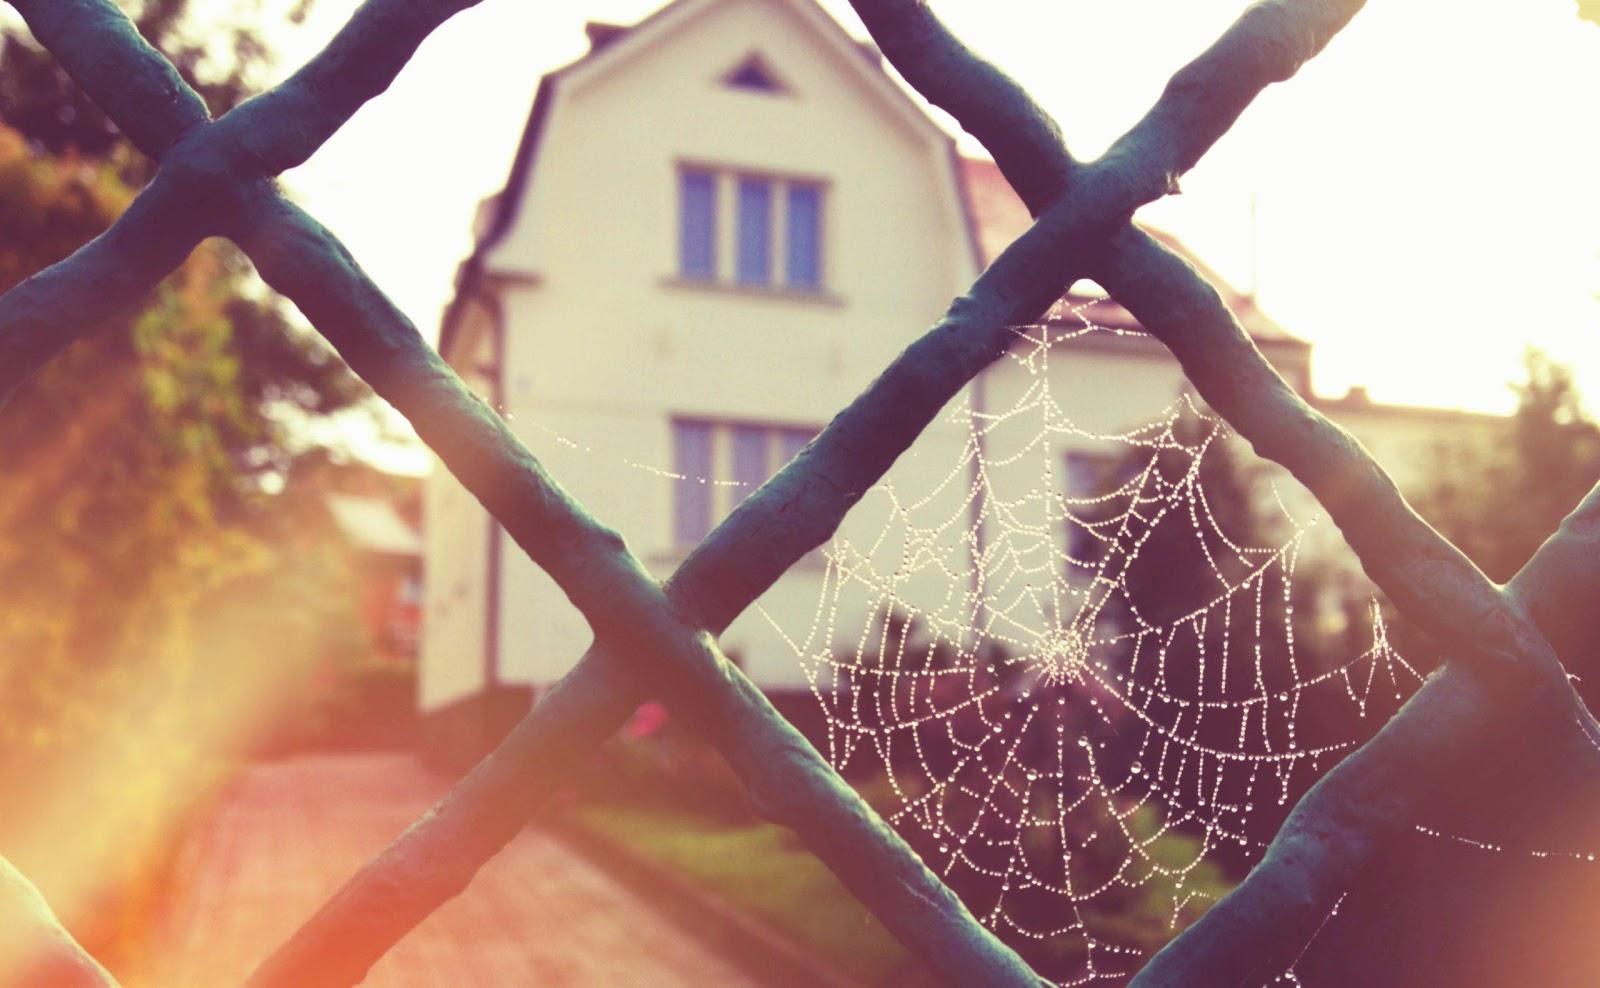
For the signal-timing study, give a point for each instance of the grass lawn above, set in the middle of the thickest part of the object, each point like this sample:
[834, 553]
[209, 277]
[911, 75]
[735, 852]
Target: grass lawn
[763, 870]
[675, 804]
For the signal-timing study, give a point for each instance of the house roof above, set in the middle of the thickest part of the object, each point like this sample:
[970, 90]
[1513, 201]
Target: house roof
[999, 217]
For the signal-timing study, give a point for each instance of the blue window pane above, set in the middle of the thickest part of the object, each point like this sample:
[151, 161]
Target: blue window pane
[791, 442]
[805, 236]
[1085, 478]
[755, 232]
[691, 459]
[749, 459]
[697, 225]
[1085, 473]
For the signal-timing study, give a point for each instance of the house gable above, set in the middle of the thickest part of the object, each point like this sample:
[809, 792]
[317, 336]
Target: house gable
[601, 224]
[507, 245]
[605, 337]
[847, 56]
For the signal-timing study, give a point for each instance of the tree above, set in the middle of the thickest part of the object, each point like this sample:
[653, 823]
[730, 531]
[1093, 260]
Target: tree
[133, 513]
[217, 52]
[278, 369]
[160, 425]
[1499, 503]
[1305, 622]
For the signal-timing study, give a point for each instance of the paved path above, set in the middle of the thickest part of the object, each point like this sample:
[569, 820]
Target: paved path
[288, 833]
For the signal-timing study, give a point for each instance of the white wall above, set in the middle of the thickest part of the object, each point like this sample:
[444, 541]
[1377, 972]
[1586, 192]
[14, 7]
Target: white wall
[456, 540]
[606, 346]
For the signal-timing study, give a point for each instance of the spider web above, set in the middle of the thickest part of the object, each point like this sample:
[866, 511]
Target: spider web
[1024, 684]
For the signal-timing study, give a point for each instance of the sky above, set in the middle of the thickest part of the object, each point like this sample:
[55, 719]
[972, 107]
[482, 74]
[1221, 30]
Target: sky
[1422, 202]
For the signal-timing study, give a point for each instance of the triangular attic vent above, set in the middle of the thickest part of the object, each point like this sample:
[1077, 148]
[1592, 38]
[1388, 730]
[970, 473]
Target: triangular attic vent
[753, 74]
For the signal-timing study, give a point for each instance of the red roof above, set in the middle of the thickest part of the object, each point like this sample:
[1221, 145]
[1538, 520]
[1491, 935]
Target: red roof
[999, 217]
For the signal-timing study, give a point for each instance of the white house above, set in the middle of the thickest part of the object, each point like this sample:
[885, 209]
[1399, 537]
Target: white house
[721, 223]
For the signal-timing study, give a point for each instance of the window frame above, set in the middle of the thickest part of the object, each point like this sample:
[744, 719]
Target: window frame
[727, 229]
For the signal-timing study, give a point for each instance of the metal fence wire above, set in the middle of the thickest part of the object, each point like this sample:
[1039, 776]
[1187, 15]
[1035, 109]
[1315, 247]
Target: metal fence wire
[216, 178]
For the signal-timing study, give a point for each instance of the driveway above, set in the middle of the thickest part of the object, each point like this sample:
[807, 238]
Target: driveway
[288, 833]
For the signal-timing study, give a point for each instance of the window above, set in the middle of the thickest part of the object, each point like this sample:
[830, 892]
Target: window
[755, 232]
[791, 442]
[719, 464]
[697, 224]
[691, 459]
[804, 268]
[1087, 476]
[752, 458]
[776, 230]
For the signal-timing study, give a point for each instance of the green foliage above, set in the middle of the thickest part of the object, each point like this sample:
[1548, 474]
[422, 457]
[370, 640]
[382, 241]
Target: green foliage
[156, 622]
[1169, 886]
[151, 630]
[670, 799]
[761, 870]
[1498, 502]
[1184, 564]
[215, 49]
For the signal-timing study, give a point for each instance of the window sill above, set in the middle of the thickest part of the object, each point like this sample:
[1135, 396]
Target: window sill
[779, 293]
